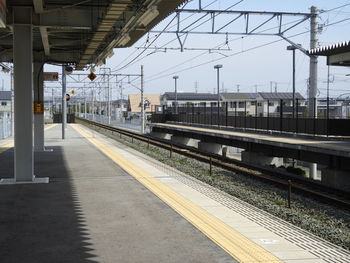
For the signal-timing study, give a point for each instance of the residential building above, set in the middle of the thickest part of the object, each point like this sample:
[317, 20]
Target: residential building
[270, 102]
[240, 103]
[262, 103]
[134, 103]
[189, 98]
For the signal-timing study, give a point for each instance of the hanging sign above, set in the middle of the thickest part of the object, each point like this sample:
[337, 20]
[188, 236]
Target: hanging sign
[92, 76]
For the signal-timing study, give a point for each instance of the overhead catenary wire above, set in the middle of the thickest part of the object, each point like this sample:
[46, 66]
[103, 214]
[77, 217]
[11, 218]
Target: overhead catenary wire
[133, 61]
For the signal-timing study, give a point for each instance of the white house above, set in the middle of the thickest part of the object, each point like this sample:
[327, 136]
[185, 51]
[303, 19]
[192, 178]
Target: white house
[189, 98]
[261, 103]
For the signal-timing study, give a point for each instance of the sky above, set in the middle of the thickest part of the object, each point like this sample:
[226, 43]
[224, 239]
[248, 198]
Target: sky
[252, 62]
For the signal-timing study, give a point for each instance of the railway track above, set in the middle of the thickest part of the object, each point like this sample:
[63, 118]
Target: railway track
[269, 175]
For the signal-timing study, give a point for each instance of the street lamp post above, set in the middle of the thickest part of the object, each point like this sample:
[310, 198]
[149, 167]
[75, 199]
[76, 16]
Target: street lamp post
[293, 48]
[218, 67]
[175, 78]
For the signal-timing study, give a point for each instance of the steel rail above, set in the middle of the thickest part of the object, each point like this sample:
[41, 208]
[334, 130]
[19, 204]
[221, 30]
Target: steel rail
[269, 175]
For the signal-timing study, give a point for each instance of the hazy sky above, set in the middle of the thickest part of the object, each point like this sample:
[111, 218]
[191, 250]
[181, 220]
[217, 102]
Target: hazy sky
[240, 67]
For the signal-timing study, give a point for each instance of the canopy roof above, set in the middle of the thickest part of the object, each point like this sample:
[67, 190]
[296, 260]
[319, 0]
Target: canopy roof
[337, 54]
[82, 32]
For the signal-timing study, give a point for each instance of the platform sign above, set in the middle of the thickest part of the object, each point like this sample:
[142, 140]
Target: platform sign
[50, 76]
[3, 13]
[67, 97]
[38, 107]
[72, 91]
[92, 76]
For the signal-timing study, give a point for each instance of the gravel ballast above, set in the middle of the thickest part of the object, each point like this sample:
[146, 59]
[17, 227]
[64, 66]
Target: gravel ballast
[323, 220]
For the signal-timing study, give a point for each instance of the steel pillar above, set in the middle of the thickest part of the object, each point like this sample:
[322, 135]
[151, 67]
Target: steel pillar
[38, 114]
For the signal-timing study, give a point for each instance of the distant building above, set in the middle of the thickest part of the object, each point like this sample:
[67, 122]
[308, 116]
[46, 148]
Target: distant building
[134, 103]
[189, 98]
[119, 108]
[270, 102]
[261, 103]
[240, 102]
[5, 101]
[338, 108]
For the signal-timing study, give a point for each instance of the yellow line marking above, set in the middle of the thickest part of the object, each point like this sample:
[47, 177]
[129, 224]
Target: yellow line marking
[10, 144]
[234, 243]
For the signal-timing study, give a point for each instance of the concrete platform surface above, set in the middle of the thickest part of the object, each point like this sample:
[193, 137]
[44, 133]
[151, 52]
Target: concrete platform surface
[91, 211]
[332, 147]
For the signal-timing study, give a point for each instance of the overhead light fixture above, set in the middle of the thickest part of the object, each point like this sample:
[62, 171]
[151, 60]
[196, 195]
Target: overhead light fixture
[148, 16]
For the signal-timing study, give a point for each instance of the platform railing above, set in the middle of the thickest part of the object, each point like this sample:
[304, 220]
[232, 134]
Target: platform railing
[281, 119]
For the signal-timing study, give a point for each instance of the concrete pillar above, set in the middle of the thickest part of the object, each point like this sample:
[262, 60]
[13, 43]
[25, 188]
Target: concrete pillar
[161, 135]
[23, 98]
[184, 141]
[38, 81]
[338, 179]
[260, 159]
[210, 147]
[23, 88]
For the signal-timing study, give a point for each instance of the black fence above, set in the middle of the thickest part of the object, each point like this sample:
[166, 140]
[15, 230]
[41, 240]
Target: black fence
[282, 120]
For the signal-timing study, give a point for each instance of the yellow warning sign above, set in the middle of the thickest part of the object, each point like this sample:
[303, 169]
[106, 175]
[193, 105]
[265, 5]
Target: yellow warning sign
[72, 91]
[67, 97]
[92, 76]
[38, 107]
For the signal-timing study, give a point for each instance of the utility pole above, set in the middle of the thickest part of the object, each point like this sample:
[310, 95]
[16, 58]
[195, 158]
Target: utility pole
[142, 104]
[313, 78]
[64, 101]
[175, 78]
[275, 87]
[218, 67]
[313, 64]
[270, 86]
[238, 87]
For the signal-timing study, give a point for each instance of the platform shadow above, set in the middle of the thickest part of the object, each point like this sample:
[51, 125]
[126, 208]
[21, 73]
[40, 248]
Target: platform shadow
[42, 222]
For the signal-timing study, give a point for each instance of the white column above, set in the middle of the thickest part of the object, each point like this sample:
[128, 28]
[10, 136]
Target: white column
[38, 98]
[23, 96]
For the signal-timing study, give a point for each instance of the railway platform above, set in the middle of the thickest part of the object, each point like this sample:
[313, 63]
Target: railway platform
[109, 203]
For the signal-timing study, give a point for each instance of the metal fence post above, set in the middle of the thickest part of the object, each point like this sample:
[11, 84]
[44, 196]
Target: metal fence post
[268, 114]
[226, 113]
[211, 113]
[192, 112]
[236, 114]
[297, 116]
[327, 115]
[256, 115]
[281, 114]
[205, 113]
[314, 116]
[245, 114]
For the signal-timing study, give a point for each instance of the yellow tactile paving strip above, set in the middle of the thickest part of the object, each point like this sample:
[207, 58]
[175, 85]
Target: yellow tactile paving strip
[338, 145]
[10, 144]
[234, 243]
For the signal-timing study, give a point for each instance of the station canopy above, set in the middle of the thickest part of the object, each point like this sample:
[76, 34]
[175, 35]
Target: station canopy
[337, 54]
[82, 33]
